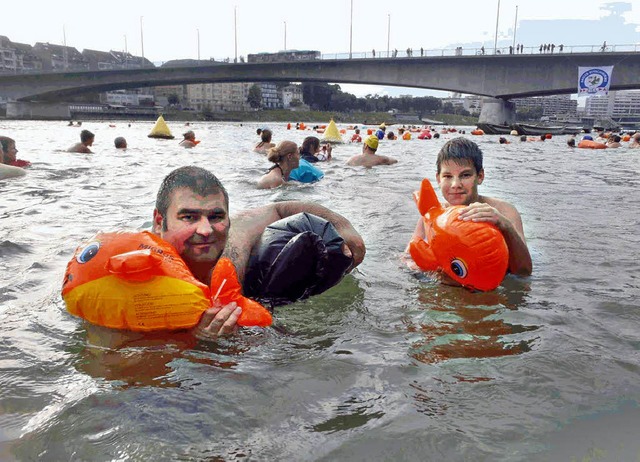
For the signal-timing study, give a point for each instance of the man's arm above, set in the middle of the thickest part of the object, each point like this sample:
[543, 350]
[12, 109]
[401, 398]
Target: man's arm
[507, 219]
[247, 227]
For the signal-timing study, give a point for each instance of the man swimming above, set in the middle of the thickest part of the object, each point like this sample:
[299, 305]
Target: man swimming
[368, 157]
[86, 141]
[192, 214]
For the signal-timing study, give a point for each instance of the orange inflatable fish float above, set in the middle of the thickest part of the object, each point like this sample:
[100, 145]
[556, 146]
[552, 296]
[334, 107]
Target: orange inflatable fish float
[137, 281]
[473, 254]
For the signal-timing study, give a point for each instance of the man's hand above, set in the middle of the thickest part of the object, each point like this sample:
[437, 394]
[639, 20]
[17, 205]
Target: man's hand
[480, 212]
[218, 321]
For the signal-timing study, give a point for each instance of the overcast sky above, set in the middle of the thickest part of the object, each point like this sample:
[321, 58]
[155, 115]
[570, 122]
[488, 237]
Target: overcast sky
[171, 29]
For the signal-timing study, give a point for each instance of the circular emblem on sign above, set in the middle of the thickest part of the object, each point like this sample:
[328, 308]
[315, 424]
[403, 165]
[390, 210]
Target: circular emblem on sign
[594, 79]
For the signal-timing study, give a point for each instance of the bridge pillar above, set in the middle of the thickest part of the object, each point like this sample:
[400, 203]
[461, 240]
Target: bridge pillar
[29, 110]
[497, 111]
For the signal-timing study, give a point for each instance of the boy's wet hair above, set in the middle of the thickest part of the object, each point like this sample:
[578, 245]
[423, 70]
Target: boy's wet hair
[197, 179]
[460, 150]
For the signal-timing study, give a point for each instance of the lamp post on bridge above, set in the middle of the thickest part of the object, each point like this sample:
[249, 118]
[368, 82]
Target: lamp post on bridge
[198, 34]
[351, 32]
[285, 35]
[235, 32]
[495, 43]
[388, 33]
[515, 27]
[142, 41]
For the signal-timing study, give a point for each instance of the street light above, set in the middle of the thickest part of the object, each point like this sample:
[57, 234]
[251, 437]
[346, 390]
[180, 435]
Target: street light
[515, 27]
[142, 41]
[235, 31]
[351, 31]
[388, 33]
[198, 33]
[495, 43]
[285, 36]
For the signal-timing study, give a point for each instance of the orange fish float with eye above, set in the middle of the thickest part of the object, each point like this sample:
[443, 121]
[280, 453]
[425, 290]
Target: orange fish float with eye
[473, 254]
[137, 281]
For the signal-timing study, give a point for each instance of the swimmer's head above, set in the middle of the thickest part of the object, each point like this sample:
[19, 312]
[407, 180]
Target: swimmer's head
[372, 142]
[310, 144]
[120, 142]
[461, 151]
[282, 152]
[197, 179]
[86, 136]
[266, 135]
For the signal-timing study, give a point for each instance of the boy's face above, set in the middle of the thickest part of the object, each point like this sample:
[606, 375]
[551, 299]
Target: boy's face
[459, 182]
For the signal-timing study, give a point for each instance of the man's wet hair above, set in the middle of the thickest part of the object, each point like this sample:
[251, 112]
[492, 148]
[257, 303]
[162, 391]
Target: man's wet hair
[197, 179]
[86, 135]
[460, 150]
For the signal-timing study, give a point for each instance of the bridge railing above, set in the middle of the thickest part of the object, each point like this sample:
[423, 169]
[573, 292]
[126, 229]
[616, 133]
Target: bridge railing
[478, 51]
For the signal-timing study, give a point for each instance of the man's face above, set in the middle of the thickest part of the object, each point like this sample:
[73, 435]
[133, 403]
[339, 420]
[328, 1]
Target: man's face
[459, 182]
[196, 226]
[90, 141]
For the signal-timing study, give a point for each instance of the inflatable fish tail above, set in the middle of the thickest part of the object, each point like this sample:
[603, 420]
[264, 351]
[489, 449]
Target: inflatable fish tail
[225, 284]
[423, 255]
[426, 199]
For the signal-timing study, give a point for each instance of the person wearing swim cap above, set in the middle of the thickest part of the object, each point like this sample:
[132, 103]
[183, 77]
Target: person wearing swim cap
[369, 158]
[381, 131]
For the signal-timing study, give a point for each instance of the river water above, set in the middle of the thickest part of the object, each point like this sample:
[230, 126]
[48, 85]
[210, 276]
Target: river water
[388, 365]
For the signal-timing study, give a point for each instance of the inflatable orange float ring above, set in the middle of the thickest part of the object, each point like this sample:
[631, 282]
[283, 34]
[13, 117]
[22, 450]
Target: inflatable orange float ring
[137, 281]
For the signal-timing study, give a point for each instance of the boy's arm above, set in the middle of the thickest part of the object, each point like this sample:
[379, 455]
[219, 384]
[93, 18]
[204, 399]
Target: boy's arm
[507, 219]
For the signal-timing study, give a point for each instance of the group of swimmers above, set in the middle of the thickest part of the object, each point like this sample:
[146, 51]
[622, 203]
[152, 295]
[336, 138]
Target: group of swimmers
[609, 140]
[192, 214]
[291, 162]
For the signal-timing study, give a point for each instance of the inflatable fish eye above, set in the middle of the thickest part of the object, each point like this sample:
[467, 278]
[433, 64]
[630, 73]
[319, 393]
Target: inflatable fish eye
[88, 252]
[459, 268]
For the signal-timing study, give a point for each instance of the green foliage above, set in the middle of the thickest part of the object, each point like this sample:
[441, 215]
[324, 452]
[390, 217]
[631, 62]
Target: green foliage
[255, 96]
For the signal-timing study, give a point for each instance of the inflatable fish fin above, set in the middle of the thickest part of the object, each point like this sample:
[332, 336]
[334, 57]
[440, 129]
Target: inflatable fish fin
[426, 199]
[227, 289]
[135, 265]
[423, 255]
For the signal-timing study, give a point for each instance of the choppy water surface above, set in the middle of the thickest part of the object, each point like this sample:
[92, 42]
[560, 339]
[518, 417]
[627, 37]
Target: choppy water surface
[388, 365]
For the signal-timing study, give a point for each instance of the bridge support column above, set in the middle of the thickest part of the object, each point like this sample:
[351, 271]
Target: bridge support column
[497, 111]
[29, 110]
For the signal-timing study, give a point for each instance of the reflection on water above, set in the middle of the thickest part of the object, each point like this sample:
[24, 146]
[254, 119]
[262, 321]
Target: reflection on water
[383, 366]
[457, 323]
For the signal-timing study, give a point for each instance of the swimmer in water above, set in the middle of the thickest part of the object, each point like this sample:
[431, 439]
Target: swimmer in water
[8, 171]
[192, 214]
[369, 158]
[459, 172]
[86, 141]
[263, 146]
[286, 157]
[189, 140]
[313, 152]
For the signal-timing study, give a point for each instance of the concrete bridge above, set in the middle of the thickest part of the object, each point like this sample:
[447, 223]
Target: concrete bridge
[498, 77]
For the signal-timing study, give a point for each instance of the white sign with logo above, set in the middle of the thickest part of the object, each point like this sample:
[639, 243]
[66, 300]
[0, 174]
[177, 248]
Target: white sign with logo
[594, 80]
